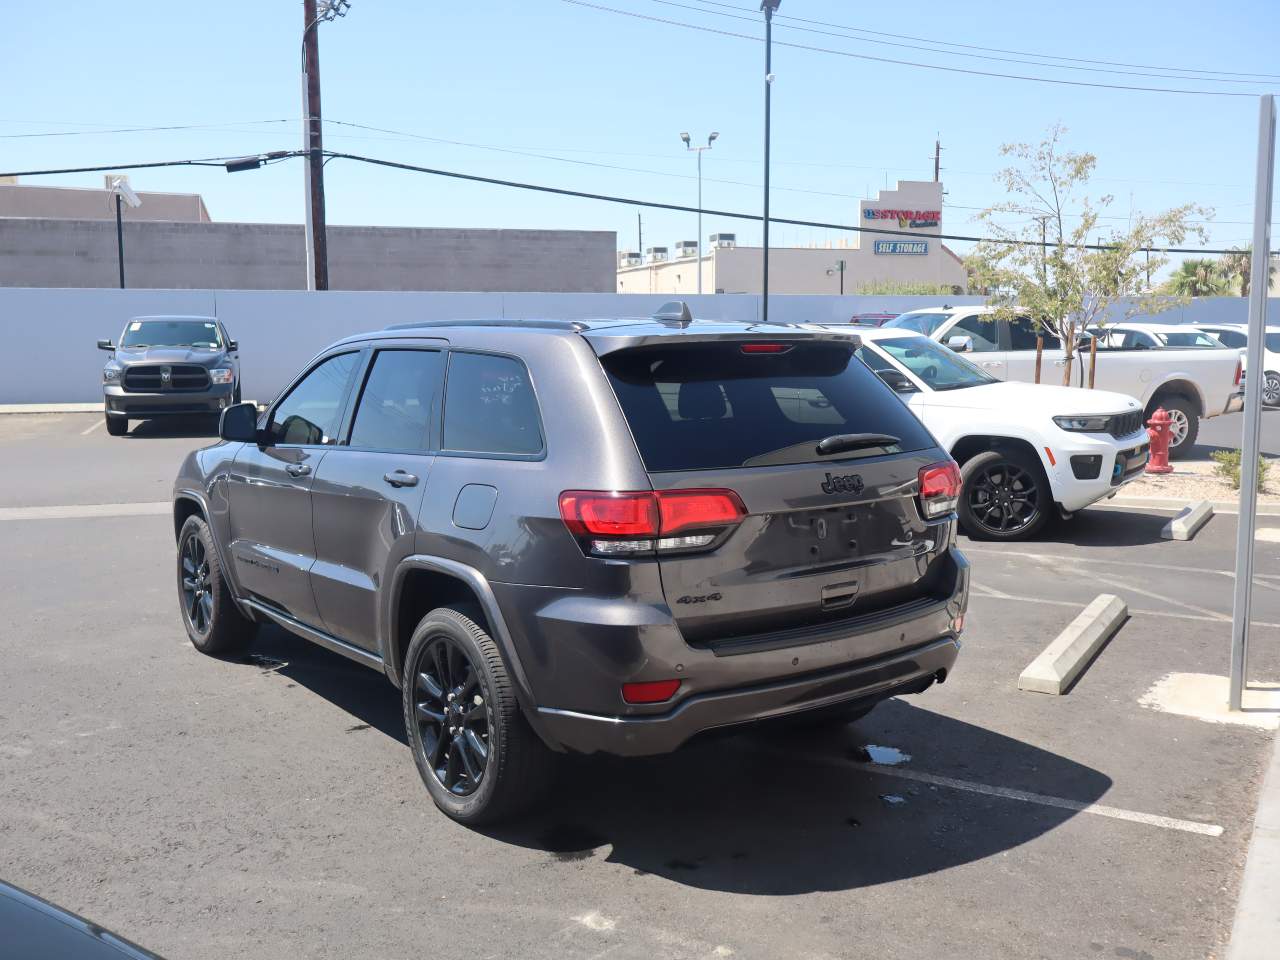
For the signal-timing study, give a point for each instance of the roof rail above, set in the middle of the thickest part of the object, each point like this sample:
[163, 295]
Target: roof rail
[674, 310]
[572, 325]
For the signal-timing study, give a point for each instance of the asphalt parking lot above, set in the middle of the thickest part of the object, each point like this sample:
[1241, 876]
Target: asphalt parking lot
[269, 807]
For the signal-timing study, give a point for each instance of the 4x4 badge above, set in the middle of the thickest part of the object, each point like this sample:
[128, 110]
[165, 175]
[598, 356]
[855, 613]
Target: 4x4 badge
[850, 483]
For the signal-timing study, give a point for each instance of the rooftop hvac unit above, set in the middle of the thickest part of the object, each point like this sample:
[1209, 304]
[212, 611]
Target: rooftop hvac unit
[629, 258]
[724, 240]
[656, 254]
[687, 248]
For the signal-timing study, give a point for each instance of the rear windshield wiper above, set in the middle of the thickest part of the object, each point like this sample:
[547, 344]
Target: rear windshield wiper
[841, 442]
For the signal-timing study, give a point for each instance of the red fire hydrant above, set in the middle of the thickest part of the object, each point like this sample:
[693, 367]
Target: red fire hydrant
[1159, 428]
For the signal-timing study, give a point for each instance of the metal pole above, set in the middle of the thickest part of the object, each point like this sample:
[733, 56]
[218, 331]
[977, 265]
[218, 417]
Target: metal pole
[700, 220]
[119, 239]
[768, 88]
[306, 181]
[1241, 610]
[317, 247]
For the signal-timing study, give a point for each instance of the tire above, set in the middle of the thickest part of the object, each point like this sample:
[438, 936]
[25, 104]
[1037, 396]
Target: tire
[1271, 389]
[1180, 409]
[497, 765]
[213, 621]
[117, 426]
[997, 487]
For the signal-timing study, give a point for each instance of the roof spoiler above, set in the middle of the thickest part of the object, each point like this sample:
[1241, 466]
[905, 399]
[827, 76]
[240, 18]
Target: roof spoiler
[674, 311]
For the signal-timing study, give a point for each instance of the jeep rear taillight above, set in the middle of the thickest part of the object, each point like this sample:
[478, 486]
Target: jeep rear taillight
[939, 489]
[613, 523]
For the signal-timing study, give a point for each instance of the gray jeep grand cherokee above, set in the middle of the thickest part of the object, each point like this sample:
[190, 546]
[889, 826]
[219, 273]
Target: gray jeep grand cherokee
[582, 536]
[166, 366]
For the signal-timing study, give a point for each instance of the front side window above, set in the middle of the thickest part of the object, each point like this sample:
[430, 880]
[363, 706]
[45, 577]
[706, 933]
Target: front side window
[1191, 338]
[1273, 342]
[490, 407]
[983, 330]
[400, 397]
[941, 368]
[201, 334]
[311, 412]
[1233, 338]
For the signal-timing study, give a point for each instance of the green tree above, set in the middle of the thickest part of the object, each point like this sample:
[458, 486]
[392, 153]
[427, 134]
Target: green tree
[1235, 268]
[1054, 275]
[1198, 278]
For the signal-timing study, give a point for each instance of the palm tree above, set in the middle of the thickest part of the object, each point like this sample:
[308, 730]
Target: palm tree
[1197, 278]
[1236, 265]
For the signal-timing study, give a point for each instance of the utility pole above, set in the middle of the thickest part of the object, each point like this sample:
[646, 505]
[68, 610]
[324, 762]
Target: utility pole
[639, 235]
[937, 158]
[768, 6]
[312, 143]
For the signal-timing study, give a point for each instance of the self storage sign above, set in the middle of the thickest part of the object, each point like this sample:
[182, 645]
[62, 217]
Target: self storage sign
[915, 248]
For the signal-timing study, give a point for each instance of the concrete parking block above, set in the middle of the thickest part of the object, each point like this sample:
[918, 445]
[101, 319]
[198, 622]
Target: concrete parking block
[1186, 523]
[1062, 661]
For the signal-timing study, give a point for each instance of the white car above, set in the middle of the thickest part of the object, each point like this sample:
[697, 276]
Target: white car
[1190, 384]
[1236, 335]
[1153, 336]
[1026, 451]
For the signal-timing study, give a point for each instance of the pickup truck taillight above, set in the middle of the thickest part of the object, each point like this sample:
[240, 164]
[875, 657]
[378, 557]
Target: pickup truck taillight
[614, 523]
[1239, 372]
[939, 489]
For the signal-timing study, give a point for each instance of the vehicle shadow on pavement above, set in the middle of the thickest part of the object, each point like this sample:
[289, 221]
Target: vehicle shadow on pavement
[771, 810]
[168, 428]
[785, 811]
[1105, 528]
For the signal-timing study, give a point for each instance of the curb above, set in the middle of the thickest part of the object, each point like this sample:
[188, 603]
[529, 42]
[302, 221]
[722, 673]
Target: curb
[1065, 658]
[1166, 503]
[1256, 930]
[50, 407]
[1186, 523]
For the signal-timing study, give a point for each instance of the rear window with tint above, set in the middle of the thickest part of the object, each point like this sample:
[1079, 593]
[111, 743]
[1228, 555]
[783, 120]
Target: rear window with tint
[710, 406]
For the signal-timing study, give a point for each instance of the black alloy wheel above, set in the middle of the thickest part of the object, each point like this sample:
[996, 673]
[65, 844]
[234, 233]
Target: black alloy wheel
[453, 720]
[1004, 496]
[197, 584]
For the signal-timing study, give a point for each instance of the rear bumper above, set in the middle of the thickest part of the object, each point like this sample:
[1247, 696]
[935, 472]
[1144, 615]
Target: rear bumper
[1235, 402]
[576, 651]
[908, 671]
[122, 403]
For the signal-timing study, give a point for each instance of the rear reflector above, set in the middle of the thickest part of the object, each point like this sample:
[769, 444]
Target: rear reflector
[615, 523]
[652, 691]
[939, 488]
[765, 347]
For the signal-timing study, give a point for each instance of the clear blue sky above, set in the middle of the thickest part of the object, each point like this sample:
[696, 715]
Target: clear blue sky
[566, 81]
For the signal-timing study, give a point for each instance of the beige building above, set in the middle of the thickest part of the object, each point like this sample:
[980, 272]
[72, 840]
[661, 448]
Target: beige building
[915, 207]
[92, 203]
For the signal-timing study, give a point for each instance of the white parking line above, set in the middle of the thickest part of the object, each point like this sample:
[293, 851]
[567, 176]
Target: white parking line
[991, 594]
[1024, 796]
[86, 510]
[1174, 568]
[92, 427]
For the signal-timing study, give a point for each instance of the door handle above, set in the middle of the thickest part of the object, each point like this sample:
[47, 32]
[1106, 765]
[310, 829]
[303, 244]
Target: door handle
[297, 469]
[401, 478]
[1059, 363]
[991, 363]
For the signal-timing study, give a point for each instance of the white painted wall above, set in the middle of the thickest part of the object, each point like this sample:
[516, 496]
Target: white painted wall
[49, 353]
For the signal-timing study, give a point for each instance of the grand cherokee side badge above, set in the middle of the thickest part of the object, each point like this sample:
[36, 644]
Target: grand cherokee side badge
[850, 483]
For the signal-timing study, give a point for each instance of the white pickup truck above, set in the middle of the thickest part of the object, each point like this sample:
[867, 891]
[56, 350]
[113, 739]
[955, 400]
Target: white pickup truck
[1191, 384]
[1026, 452]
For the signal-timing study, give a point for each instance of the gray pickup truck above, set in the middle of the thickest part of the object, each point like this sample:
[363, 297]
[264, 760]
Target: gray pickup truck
[167, 366]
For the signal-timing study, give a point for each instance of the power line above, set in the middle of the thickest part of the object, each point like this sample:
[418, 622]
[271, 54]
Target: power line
[112, 168]
[742, 15]
[909, 63]
[176, 126]
[1023, 53]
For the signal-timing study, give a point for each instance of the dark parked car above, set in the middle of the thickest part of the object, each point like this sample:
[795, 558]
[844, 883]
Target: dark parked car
[164, 366]
[570, 536]
[32, 928]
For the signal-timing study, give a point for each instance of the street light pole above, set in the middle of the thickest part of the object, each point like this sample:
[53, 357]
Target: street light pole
[699, 151]
[312, 143]
[768, 6]
[120, 239]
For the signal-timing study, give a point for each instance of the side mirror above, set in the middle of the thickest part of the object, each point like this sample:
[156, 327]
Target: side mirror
[106, 345]
[239, 423]
[233, 345]
[960, 344]
[897, 381]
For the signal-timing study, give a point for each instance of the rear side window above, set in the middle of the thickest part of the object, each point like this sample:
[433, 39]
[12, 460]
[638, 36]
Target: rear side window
[490, 407]
[400, 396]
[710, 406]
